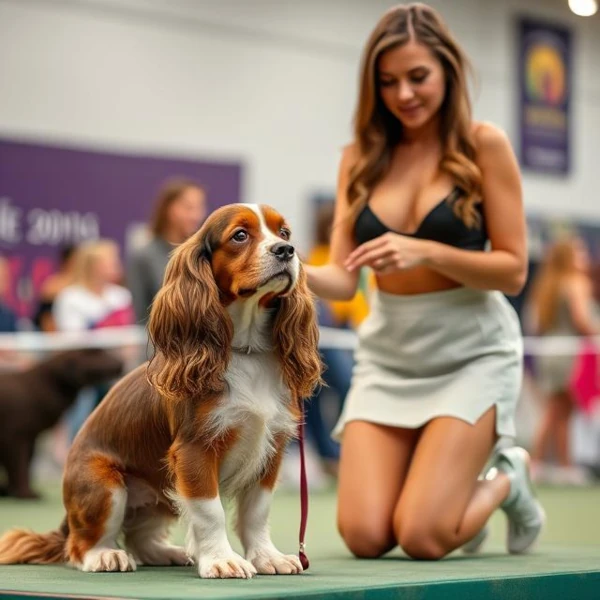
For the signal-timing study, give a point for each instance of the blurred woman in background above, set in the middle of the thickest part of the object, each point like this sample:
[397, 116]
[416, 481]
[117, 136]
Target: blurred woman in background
[179, 210]
[52, 286]
[94, 300]
[347, 314]
[561, 304]
[8, 318]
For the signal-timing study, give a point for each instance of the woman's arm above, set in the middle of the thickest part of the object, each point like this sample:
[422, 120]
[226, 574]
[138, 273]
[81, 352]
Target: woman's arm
[504, 268]
[333, 281]
[579, 299]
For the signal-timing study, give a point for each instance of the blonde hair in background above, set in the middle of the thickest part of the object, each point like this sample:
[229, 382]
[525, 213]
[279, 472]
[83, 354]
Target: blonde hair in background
[377, 131]
[558, 264]
[87, 255]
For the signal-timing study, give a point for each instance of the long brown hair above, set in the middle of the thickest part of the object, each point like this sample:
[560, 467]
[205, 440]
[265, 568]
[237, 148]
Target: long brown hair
[546, 288]
[377, 131]
[189, 327]
[169, 193]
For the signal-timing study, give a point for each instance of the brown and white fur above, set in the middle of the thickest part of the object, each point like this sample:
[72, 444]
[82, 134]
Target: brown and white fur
[235, 334]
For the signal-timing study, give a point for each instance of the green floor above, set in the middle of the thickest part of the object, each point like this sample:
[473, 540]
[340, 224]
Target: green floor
[566, 564]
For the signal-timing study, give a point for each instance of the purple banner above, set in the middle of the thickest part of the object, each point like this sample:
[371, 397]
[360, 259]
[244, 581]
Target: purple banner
[545, 64]
[54, 196]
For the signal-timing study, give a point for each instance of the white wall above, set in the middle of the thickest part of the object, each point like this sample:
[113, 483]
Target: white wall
[272, 82]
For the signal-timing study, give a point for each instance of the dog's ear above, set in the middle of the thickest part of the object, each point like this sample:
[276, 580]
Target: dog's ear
[296, 337]
[189, 328]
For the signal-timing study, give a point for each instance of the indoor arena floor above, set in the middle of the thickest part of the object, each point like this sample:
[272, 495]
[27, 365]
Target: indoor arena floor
[565, 565]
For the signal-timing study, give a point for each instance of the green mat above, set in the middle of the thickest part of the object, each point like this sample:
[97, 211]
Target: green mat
[566, 564]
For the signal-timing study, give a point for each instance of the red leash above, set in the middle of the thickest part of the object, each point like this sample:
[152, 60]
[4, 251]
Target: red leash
[303, 493]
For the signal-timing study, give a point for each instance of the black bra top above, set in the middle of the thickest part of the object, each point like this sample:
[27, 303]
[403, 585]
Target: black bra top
[441, 224]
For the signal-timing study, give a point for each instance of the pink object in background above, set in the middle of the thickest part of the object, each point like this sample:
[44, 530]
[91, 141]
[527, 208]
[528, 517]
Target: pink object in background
[117, 318]
[585, 377]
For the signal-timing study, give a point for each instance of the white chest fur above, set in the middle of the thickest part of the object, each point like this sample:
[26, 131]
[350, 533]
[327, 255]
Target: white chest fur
[257, 408]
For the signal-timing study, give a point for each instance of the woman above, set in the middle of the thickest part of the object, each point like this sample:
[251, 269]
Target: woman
[179, 210]
[338, 361]
[52, 286]
[94, 300]
[423, 191]
[8, 317]
[561, 304]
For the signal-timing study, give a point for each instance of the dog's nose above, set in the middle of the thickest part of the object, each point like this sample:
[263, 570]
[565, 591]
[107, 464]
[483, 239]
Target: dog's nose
[282, 251]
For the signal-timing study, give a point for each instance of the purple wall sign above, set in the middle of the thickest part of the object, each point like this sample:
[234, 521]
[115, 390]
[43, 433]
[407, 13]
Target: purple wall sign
[545, 76]
[53, 196]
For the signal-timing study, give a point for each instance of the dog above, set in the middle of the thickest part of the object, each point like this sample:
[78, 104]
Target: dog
[235, 338]
[34, 399]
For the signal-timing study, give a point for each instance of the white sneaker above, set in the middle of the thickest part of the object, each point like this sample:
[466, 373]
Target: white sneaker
[474, 545]
[525, 514]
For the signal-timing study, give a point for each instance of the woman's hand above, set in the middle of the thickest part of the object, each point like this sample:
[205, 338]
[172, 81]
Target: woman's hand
[388, 253]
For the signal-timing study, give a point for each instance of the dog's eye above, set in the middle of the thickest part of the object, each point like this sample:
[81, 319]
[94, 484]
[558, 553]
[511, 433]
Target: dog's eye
[240, 236]
[285, 233]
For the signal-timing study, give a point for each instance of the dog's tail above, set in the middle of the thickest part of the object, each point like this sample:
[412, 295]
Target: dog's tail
[20, 546]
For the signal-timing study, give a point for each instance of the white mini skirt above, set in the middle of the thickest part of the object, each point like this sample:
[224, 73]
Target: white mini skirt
[453, 353]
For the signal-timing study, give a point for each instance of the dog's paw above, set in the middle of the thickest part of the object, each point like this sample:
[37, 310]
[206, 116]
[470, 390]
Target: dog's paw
[225, 567]
[107, 560]
[276, 563]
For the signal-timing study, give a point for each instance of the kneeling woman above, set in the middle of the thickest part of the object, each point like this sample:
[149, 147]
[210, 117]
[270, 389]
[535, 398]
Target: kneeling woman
[431, 201]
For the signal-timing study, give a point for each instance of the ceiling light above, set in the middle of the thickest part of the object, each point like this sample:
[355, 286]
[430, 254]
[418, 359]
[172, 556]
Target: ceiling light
[584, 8]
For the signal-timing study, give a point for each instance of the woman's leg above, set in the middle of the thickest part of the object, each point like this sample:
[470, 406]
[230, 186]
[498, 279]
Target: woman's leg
[443, 505]
[553, 432]
[564, 410]
[373, 465]
[546, 432]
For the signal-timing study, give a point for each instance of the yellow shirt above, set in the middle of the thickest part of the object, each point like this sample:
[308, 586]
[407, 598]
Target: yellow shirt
[347, 312]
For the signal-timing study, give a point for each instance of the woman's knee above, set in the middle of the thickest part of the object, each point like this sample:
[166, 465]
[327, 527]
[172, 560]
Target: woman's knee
[366, 540]
[422, 541]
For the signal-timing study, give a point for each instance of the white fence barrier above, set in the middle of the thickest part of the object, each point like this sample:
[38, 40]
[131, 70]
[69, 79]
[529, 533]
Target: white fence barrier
[330, 337]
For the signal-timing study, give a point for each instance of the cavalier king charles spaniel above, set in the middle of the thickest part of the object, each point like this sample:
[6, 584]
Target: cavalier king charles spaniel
[235, 336]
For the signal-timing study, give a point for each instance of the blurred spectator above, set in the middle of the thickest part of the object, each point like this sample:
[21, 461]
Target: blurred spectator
[322, 411]
[8, 318]
[338, 362]
[348, 313]
[9, 323]
[94, 300]
[63, 277]
[178, 212]
[560, 304]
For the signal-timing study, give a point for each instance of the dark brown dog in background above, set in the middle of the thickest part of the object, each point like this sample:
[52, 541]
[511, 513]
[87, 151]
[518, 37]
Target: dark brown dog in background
[34, 399]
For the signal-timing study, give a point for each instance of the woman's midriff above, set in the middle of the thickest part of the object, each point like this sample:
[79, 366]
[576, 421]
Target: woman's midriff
[418, 280]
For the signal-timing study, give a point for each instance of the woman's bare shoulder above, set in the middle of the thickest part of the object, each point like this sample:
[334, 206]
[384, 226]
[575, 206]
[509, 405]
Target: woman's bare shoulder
[488, 136]
[350, 154]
